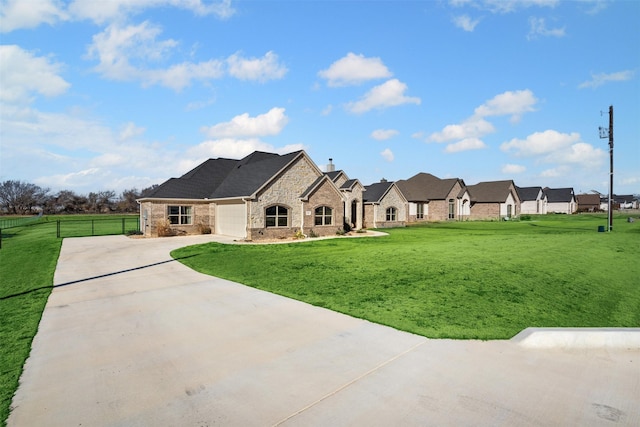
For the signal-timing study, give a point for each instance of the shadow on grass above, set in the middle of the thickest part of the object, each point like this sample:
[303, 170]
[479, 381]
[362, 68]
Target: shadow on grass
[60, 285]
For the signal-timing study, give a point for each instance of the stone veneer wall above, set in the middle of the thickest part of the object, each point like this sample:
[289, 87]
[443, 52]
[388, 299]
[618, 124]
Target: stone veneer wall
[156, 212]
[285, 191]
[325, 195]
[392, 199]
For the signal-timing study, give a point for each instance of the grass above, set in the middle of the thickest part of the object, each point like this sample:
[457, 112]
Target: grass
[27, 263]
[454, 280]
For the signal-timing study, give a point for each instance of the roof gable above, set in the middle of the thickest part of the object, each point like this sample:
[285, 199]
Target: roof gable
[424, 187]
[529, 193]
[492, 191]
[559, 195]
[374, 193]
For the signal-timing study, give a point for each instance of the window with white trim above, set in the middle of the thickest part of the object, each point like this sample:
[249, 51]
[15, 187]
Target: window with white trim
[420, 211]
[323, 215]
[180, 215]
[277, 216]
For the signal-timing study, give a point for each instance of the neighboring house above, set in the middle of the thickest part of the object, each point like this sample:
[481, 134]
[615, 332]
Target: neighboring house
[625, 202]
[494, 199]
[352, 193]
[532, 200]
[588, 202]
[433, 199]
[262, 196]
[560, 200]
[384, 205]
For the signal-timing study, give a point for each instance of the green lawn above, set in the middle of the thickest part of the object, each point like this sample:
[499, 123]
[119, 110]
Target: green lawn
[486, 280]
[27, 262]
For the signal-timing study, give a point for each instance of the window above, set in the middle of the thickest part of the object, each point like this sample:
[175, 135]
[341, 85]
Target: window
[324, 215]
[179, 215]
[452, 209]
[277, 216]
[391, 214]
[420, 211]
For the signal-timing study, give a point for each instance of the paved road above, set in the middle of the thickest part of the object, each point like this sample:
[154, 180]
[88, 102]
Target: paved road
[131, 338]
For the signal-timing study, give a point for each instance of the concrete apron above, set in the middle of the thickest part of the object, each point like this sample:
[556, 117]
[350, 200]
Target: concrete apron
[130, 337]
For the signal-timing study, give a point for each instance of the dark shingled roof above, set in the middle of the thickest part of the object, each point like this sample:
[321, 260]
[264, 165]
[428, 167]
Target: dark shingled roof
[333, 175]
[348, 184]
[528, 193]
[424, 187]
[558, 195]
[225, 178]
[490, 191]
[375, 192]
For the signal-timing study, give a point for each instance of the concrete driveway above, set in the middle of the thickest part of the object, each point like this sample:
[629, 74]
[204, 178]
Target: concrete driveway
[130, 337]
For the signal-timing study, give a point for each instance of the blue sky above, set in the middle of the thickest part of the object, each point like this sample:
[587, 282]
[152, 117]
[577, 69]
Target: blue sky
[120, 94]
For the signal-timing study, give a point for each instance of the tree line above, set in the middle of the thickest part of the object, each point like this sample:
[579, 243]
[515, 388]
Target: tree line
[24, 198]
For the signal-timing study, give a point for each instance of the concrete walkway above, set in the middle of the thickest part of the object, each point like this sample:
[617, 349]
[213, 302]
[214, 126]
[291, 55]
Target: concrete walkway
[130, 337]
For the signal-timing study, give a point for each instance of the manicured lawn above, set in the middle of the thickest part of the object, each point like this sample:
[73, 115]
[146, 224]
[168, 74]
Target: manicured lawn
[27, 263]
[486, 280]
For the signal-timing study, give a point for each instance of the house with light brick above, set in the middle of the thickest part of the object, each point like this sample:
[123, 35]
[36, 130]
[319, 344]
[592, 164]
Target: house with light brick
[262, 196]
[433, 199]
[494, 200]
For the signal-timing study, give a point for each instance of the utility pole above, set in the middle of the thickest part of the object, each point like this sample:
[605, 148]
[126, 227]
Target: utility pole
[604, 133]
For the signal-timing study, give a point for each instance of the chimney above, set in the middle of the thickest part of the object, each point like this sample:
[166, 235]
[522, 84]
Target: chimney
[331, 167]
[383, 180]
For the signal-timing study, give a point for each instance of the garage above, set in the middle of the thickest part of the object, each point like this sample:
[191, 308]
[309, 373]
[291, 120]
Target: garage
[231, 220]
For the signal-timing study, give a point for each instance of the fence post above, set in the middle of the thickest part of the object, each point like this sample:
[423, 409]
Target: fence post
[58, 229]
[0, 238]
[123, 225]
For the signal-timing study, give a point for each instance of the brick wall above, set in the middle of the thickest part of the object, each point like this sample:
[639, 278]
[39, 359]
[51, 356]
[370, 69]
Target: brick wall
[156, 212]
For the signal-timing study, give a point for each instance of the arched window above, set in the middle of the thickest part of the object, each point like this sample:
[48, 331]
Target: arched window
[392, 213]
[324, 215]
[277, 216]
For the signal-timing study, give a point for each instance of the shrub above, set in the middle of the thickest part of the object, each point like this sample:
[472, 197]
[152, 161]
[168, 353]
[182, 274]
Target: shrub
[299, 235]
[525, 217]
[164, 228]
[340, 232]
[204, 228]
[312, 233]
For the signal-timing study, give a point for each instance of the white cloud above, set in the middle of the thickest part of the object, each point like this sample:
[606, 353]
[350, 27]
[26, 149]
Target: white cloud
[17, 14]
[465, 22]
[259, 69]
[243, 125]
[471, 128]
[504, 6]
[538, 27]
[388, 94]
[465, 145]
[130, 130]
[509, 169]
[387, 154]
[513, 103]
[540, 143]
[354, 69]
[24, 74]
[565, 150]
[383, 134]
[106, 11]
[129, 53]
[602, 78]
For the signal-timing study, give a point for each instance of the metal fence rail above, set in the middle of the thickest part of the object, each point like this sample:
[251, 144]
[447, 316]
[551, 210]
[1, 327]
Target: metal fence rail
[97, 227]
[18, 222]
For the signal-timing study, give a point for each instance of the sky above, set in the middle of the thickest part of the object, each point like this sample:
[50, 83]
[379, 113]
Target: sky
[122, 94]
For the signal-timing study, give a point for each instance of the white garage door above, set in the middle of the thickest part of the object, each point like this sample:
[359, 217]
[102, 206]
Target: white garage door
[231, 220]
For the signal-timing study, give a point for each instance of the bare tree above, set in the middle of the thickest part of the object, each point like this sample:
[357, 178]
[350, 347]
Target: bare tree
[19, 197]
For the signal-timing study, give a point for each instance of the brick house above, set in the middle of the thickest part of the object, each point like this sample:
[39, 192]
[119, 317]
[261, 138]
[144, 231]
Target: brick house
[588, 202]
[494, 200]
[262, 196]
[384, 205]
[433, 199]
